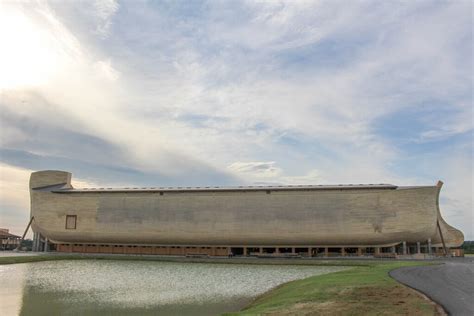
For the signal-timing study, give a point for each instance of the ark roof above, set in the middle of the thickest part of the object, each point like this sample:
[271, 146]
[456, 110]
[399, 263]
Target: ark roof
[236, 188]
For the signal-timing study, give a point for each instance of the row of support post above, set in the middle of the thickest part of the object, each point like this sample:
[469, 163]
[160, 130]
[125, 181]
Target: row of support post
[359, 251]
[418, 248]
[40, 244]
[308, 250]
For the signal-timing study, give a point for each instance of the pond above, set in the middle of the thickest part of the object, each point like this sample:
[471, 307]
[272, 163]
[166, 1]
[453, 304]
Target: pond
[98, 287]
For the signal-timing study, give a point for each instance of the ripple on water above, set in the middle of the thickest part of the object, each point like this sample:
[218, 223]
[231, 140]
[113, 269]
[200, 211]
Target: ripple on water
[145, 284]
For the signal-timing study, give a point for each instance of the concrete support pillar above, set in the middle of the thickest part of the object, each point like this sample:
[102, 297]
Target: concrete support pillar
[46, 245]
[33, 247]
[260, 250]
[418, 247]
[343, 251]
[377, 251]
[293, 250]
[404, 247]
[310, 252]
[326, 252]
[430, 252]
[359, 251]
[245, 251]
[277, 250]
[36, 241]
[394, 249]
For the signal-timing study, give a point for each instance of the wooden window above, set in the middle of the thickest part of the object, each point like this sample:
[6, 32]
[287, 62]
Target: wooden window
[71, 221]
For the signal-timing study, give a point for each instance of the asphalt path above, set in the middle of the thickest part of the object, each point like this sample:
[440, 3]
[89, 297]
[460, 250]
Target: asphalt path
[450, 284]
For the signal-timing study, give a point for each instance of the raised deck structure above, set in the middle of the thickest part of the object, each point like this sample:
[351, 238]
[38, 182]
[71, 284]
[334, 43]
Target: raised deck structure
[319, 220]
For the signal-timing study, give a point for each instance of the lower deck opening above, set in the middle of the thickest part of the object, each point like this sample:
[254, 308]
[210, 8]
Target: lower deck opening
[370, 250]
[237, 251]
[285, 250]
[253, 251]
[334, 251]
[269, 250]
[301, 251]
[351, 251]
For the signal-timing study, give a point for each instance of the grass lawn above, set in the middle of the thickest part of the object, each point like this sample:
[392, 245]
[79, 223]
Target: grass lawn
[26, 259]
[365, 290]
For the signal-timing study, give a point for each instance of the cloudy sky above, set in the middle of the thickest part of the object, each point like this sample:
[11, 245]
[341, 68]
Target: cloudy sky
[126, 93]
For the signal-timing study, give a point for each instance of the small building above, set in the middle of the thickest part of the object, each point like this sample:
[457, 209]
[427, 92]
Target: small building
[9, 241]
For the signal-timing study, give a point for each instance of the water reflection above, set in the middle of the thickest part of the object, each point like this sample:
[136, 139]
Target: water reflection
[12, 279]
[96, 287]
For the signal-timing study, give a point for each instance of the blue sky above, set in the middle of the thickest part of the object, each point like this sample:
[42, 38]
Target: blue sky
[142, 93]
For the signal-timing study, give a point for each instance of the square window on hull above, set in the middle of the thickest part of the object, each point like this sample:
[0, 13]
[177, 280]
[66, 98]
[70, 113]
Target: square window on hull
[71, 221]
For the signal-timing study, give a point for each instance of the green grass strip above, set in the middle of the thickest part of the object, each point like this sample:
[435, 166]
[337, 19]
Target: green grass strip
[365, 290]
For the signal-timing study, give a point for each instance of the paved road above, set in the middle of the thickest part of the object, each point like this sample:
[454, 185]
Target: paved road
[450, 284]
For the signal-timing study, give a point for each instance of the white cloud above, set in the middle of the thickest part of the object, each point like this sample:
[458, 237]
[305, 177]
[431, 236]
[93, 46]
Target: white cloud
[256, 169]
[105, 10]
[268, 173]
[105, 70]
[14, 191]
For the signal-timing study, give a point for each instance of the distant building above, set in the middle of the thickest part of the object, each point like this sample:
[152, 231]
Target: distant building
[9, 241]
[318, 220]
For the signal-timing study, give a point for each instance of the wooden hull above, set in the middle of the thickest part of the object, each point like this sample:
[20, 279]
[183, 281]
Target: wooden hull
[253, 217]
